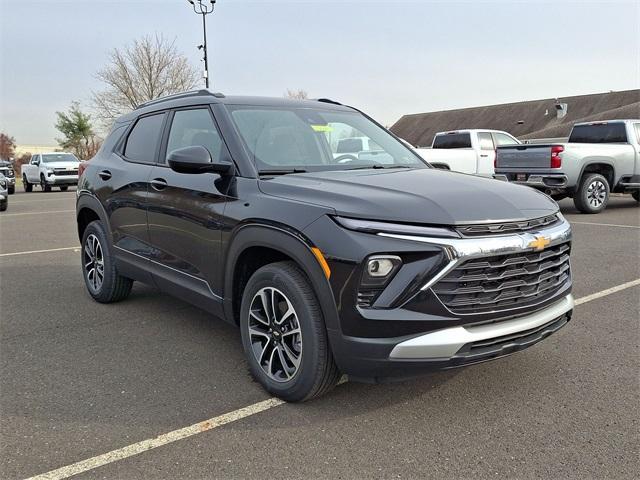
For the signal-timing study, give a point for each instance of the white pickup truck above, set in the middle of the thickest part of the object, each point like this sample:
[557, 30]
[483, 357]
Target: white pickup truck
[599, 158]
[56, 169]
[466, 151]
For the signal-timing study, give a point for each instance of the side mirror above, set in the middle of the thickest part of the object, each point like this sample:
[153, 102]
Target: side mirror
[196, 159]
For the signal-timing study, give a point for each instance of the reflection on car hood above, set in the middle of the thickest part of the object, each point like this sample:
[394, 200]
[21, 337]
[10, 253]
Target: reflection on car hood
[425, 196]
[69, 165]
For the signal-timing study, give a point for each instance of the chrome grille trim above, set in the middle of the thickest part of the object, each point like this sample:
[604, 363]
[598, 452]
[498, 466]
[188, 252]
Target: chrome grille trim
[506, 227]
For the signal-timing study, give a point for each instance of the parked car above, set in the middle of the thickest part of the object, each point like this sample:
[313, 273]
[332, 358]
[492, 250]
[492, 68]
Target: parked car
[56, 169]
[6, 169]
[4, 192]
[371, 269]
[466, 151]
[599, 158]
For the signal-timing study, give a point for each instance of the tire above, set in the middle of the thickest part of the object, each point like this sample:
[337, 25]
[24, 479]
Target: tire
[95, 254]
[43, 183]
[11, 190]
[592, 195]
[636, 195]
[316, 372]
[27, 186]
[4, 205]
[64, 188]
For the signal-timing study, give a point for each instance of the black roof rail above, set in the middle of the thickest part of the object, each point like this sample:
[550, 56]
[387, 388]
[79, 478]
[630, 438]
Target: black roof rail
[190, 93]
[327, 100]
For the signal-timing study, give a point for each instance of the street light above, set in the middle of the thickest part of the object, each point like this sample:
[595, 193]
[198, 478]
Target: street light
[201, 8]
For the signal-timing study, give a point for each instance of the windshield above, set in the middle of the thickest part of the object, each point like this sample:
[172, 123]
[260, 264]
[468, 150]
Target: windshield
[309, 139]
[59, 157]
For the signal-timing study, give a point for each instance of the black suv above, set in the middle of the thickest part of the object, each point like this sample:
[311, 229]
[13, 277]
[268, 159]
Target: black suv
[371, 264]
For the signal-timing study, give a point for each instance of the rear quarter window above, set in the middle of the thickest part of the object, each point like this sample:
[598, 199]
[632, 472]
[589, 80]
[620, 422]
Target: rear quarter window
[452, 140]
[599, 133]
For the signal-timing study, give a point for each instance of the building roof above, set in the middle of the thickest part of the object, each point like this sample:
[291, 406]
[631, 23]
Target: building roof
[529, 119]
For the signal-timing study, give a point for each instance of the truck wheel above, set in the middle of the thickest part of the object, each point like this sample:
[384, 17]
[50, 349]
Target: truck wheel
[64, 188]
[284, 335]
[592, 195]
[636, 195]
[43, 183]
[4, 205]
[25, 183]
[11, 190]
[99, 271]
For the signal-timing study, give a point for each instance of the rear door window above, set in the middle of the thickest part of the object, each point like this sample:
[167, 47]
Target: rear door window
[486, 141]
[452, 140]
[599, 133]
[144, 139]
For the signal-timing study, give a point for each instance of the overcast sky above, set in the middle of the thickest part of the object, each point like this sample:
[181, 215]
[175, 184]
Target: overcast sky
[386, 57]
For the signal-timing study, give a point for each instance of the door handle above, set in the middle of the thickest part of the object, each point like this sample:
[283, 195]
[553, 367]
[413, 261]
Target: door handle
[484, 155]
[158, 184]
[104, 174]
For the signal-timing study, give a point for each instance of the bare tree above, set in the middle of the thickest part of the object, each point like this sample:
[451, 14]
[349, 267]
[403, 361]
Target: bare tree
[296, 94]
[149, 68]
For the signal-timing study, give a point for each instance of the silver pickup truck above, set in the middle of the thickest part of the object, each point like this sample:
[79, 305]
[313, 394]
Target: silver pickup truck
[600, 158]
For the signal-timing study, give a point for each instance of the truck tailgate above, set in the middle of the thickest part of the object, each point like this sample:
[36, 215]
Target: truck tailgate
[523, 156]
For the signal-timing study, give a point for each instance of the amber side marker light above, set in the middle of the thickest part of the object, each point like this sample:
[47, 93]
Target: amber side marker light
[321, 260]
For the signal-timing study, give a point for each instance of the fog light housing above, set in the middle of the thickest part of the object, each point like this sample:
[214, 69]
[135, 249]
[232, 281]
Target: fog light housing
[377, 273]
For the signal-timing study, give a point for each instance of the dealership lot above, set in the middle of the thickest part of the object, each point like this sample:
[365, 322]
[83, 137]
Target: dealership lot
[80, 379]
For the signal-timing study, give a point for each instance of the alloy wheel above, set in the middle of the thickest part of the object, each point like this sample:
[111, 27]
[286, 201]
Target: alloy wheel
[596, 193]
[275, 334]
[93, 262]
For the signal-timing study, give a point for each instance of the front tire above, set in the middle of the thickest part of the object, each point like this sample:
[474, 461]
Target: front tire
[592, 195]
[11, 190]
[636, 195]
[101, 277]
[284, 335]
[43, 183]
[27, 186]
[64, 188]
[4, 205]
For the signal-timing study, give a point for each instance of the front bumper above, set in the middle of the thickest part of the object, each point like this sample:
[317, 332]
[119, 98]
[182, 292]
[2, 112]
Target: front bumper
[417, 333]
[62, 179]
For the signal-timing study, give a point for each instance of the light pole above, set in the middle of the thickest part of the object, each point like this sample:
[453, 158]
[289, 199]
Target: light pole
[201, 8]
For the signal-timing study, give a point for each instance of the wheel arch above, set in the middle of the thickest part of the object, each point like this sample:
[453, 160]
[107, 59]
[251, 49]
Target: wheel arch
[254, 245]
[88, 209]
[605, 168]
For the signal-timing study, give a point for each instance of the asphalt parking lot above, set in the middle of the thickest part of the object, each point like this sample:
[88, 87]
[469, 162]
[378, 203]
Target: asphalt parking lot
[79, 380]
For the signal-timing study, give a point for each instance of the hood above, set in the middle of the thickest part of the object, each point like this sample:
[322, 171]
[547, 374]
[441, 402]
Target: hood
[425, 196]
[66, 165]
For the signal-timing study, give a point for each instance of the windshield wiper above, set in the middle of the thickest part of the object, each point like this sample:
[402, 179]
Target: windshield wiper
[282, 171]
[379, 167]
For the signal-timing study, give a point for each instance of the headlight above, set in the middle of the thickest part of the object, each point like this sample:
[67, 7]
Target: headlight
[3, 182]
[372, 226]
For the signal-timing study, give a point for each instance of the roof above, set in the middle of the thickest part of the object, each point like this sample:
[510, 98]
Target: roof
[529, 119]
[199, 97]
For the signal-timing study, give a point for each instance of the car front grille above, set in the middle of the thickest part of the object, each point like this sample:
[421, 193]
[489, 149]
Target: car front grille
[506, 227]
[65, 172]
[505, 282]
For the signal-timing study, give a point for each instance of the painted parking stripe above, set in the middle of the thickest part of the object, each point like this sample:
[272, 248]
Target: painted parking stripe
[34, 213]
[23, 202]
[12, 254]
[215, 422]
[603, 224]
[608, 291]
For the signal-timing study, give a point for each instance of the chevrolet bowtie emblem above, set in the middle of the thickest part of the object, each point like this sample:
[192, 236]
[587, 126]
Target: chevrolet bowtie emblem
[539, 243]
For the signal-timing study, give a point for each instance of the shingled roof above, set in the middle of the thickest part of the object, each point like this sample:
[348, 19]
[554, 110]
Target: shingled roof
[530, 119]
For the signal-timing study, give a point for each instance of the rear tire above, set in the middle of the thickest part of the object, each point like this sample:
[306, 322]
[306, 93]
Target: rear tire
[636, 195]
[64, 188]
[284, 335]
[11, 190]
[27, 186]
[592, 195]
[101, 277]
[4, 205]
